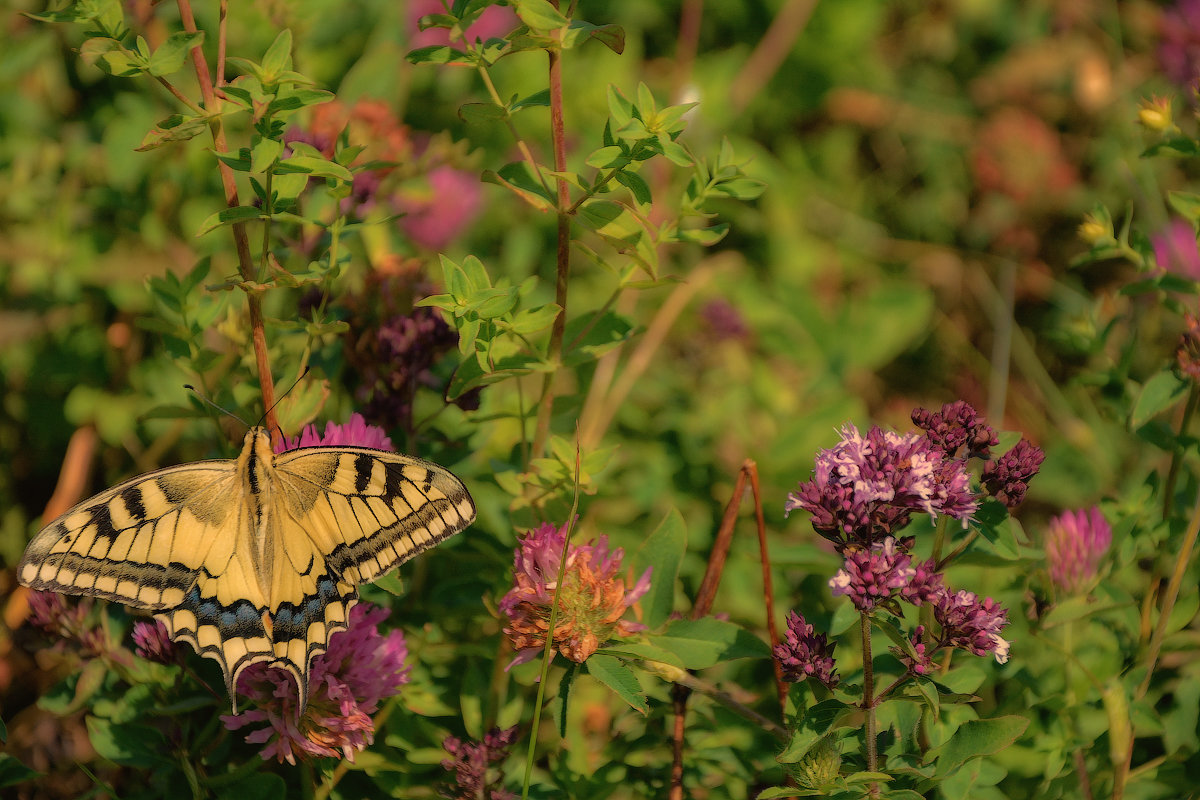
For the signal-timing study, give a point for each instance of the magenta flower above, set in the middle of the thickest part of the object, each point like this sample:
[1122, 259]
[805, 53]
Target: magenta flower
[51, 612]
[956, 426]
[433, 219]
[355, 433]
[1075, 543]
[494, 22]
[591, 601]
[152, 643]
[1007, 477]
[1179, 50]
[472, 761]
[872, 577]
[346, 684]
[866, 487]
[972, 624]
[1175, 249]
[804, 654]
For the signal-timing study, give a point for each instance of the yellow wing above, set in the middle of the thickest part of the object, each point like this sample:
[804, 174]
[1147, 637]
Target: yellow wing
[255, 559]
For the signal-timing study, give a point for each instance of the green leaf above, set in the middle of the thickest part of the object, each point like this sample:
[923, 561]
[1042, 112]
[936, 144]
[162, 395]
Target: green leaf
[321, 167]
[814, 725]
[481, 113]
[13, 772]
[278, 56]
[75, 691]
[111, 57]
[518, 180]
[536, 100]
[973, 739]
[264, 153]
[437, 54]
[619, 108]
[172, 54]
[175, 128]
[610, 35]
[589, 336]
[1187, 204]
[1162, 391]
[706, 237]
[239, 160]
[639, 188]
[132, 744]
[701, 643]
[539, 15]
[662, 552]
[564, 696]
[532, 320]
[228, 216]
[646, 652]
[619, 677]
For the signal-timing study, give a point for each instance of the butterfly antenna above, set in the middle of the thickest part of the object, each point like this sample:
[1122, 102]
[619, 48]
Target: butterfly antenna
[211, 404]
[285, 394]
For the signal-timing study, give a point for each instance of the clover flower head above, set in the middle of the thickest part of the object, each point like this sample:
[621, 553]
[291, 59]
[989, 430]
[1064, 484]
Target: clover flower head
[867, 487]
[1076, 541]
[972, 624]
[1007, 477]
[471, 762]
[591, 601]
[152, 642]
[346, 684]
[804, 654]
[355, 433]
[1175, 249]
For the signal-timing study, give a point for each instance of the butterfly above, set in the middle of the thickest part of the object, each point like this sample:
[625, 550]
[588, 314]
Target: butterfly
[253, 559]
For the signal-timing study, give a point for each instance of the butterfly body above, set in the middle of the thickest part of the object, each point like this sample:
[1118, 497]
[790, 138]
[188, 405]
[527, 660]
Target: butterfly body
[254, 559]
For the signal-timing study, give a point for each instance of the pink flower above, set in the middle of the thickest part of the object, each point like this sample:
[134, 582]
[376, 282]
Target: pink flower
[921, 662]
[1175, 249]
[355, 433]
[471, 763]
[152, 643]
[346, 684]
[1007, 477]
[972, 624]
[867, 487]
[1075, 543]
[591, 602]
[433, 219]
[872, 577]
[804, 654]
[494, 22]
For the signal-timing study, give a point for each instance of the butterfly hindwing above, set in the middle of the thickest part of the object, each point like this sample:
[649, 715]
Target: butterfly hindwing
[255, 559]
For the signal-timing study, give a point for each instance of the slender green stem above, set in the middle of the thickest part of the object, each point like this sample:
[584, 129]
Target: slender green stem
[526, 154]
[868, 701]
[1182, 562]
[548, 650]
[1177, 454]
[563, 254]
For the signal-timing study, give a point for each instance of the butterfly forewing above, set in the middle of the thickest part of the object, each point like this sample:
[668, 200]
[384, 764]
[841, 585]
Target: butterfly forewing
[255, 559]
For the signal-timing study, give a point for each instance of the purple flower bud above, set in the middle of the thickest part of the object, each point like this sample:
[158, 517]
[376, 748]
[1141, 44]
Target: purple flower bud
[471, 761]
[871, 577]
[151, 642]
[972, 624]
[1007, 478]
[804, 654]
[920, 662]
[1076, 541]
[356, 433]
[926, 586]
[956, 426]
